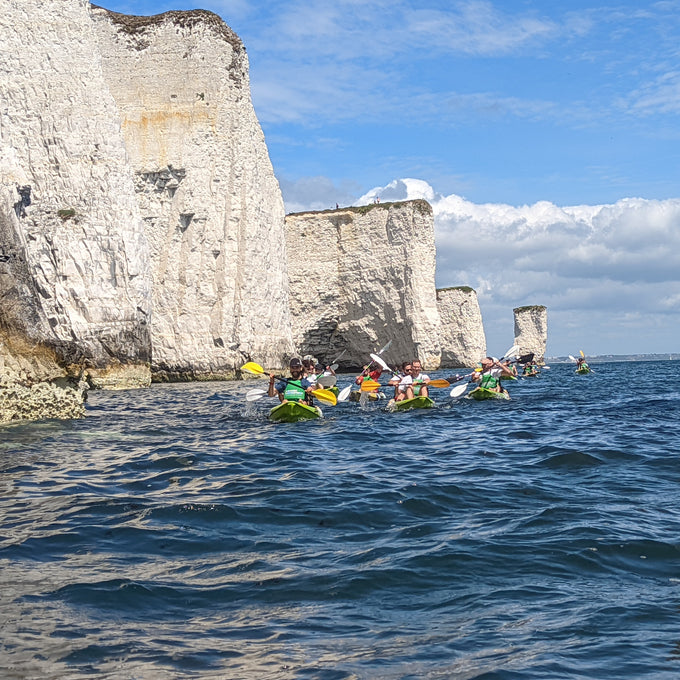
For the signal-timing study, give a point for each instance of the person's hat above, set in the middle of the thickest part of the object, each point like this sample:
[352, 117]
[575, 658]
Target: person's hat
[295, 363]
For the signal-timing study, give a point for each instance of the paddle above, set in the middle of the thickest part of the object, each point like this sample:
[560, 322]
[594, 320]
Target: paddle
[254, 395]
[375, 358]
[574, 359]
[370, 385]
[459, 390]
[327, 380]
[323, 396]
[344, 393]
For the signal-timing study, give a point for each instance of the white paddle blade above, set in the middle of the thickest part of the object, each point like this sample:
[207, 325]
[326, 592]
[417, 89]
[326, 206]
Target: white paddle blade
[572, 358]
[385, 348]
[254, 395]
[334, 367]
[335, 361]
[378, 360]
[344, 393]
[513, 350]
[327, 380]
[459, 390]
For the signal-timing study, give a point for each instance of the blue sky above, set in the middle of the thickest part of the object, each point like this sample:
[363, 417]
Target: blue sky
[545, 134]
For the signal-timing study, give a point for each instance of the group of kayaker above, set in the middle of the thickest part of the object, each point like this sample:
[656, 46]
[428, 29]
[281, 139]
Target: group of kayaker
[408, 382]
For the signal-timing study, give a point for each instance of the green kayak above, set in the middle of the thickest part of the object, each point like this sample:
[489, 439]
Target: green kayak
[407, 404]
[582, 371]
[292, 411]
[481, 393]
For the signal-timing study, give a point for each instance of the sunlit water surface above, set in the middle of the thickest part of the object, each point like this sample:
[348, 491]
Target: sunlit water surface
[175, 533]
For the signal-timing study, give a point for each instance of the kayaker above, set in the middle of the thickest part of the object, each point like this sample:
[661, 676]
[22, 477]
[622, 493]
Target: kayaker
[298, 388]
[511, 367]
[530, 369]
[581, 363]
[368, 374]
[403, 383]
[420, 379]
[490, 375]
[309, 369]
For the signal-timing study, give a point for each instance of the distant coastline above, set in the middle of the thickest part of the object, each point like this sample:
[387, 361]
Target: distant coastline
[602, 358]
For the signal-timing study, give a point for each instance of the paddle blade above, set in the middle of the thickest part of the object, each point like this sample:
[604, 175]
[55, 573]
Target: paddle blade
[334, 367]
[583, 356]
[513, 350]
[254, 395]
[325, 397]
[459, 390]
[385, 348]
[572, 358]
[335, 361]
[370, 385]
[344, 393]
[378, 360]
[440, 382]
[252, 367]
[327, 380]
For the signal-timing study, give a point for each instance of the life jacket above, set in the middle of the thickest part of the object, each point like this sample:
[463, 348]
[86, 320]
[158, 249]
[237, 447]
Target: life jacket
[488, 382]
[294, 391]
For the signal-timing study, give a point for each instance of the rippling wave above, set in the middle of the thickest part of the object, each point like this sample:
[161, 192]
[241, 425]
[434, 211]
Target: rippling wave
[176, 533]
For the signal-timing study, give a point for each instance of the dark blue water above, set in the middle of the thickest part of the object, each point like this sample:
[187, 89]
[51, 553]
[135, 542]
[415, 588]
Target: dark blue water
[175, 533]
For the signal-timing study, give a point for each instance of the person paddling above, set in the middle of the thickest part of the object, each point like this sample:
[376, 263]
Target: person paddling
[490, 376]
[420, 379]
[296, 389]
[368, 374]
[403, 383]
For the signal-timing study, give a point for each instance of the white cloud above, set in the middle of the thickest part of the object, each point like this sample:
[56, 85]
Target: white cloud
[614, 266]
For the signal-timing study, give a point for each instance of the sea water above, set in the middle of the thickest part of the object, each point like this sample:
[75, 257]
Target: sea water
[175, 533]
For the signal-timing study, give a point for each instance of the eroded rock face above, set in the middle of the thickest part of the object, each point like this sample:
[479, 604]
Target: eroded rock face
[74, 262]
[360, 277]
[531, 330]
[32, 384]
[462, 334]
[212, 207]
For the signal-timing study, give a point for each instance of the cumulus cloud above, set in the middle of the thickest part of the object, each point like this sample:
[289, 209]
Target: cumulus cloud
[604, 271]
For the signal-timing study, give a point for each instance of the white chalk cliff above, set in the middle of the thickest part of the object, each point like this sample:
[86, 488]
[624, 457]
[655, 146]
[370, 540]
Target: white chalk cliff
[531, 330]
[212, 208]
[74, 265]
[360, 277]
[462, 333]
[142, 229]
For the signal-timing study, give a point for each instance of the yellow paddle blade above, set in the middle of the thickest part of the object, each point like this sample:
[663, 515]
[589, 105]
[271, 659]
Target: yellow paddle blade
[370, 385]
[252, 367]
[440, 382]
[583, 356]
[325, 396]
